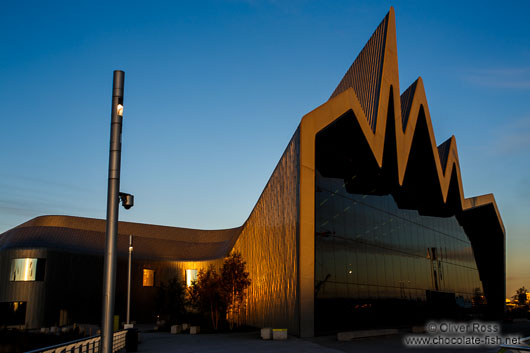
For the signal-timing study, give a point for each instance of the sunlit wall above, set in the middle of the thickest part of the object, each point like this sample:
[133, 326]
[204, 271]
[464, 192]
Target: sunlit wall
[268, 243]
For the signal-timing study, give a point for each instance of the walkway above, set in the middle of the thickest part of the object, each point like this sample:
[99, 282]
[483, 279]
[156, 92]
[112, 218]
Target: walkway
[162, 342]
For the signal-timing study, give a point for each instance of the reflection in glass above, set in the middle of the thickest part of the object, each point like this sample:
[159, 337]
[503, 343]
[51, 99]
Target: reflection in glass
[372, 258]
[191, 276]
[27, 269]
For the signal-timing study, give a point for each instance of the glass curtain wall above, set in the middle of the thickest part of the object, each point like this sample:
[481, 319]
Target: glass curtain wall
[378, 265]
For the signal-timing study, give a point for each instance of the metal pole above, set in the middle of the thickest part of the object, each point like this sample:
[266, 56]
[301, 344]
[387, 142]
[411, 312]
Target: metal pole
[129, 280]
[109, 274]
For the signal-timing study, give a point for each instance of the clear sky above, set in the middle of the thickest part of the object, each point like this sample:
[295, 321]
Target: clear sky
[214, 90]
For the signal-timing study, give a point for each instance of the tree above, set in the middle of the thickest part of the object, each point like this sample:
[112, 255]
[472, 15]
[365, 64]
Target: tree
[222, 295]
[234, 282]
[520, 296]
[206, 294]
[171, 301]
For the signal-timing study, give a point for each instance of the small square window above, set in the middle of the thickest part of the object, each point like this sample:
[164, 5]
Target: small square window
[12, 313]
[148, 278]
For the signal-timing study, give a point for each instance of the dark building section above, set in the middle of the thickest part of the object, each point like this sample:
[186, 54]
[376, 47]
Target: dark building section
[51, 268]
[489, 245]
[19, 288]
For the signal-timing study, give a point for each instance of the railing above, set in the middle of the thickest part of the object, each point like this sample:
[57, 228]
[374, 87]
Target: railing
[85, 345]
[515, 348]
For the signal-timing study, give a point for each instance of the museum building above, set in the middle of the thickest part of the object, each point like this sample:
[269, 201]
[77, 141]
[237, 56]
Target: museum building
[363, 223]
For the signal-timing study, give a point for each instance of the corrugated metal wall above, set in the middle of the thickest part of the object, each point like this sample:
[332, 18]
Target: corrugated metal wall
[269, 245]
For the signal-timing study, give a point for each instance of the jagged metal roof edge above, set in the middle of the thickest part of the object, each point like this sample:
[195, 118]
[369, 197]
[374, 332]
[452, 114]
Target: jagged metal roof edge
[405, 126]
[365, 73]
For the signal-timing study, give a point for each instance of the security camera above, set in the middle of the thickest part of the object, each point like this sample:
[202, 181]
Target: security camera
[127, 200]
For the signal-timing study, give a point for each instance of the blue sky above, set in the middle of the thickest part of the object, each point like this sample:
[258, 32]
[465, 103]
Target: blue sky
[214, 91]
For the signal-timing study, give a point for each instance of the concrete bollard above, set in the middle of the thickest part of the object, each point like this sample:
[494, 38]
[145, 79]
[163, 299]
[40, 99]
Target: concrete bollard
[185, 327]
[176, 329]
[266, 333]
[195, 330]
[279, 334]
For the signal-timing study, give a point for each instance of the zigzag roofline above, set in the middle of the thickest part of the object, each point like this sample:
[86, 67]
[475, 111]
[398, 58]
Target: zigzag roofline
[414, 104]
[444, 195]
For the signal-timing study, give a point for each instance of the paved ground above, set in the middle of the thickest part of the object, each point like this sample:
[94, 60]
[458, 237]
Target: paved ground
[225, 342]
[250, 342]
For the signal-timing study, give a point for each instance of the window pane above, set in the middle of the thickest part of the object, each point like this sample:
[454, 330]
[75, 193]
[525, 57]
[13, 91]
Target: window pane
[27, 269]
[12, 313]
[148, 278]
[191, 275]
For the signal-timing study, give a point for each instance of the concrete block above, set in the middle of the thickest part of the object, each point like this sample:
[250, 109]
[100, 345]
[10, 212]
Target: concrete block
[195, 330]
[185, 327]
[176, 329]
[266, 333]
[351, 335]
[279, 334]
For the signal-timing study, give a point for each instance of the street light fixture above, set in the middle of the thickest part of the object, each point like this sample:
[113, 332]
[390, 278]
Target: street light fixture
[119, 110]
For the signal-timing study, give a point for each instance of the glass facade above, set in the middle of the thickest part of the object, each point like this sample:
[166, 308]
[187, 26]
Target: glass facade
[374, 260]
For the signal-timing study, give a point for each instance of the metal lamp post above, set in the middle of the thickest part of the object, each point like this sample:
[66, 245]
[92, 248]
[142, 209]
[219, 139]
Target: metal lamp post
[129, 280]
[109, 274]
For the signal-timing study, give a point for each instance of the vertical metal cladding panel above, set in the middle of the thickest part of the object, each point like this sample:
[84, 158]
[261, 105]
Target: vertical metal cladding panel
[269, 245]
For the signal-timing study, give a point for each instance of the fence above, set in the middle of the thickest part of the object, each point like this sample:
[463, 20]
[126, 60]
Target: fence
[85, 345]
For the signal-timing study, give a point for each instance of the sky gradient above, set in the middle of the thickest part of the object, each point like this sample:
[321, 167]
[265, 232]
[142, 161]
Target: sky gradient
[215, 90]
